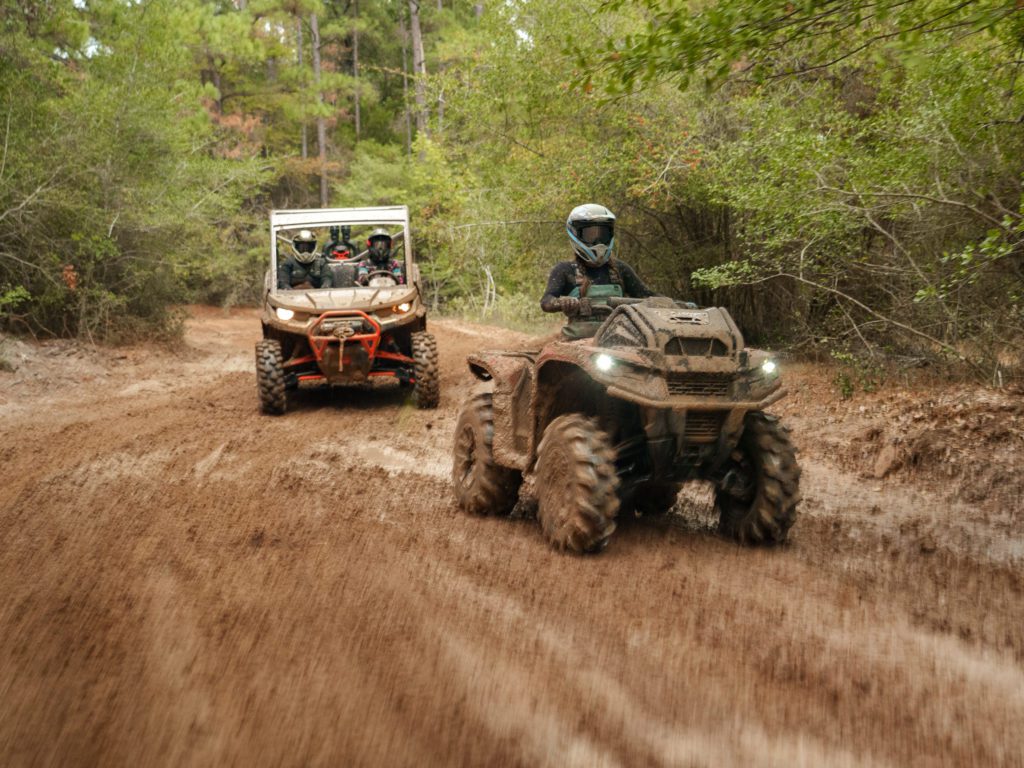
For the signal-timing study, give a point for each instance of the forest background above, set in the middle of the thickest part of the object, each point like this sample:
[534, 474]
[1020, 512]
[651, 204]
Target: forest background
[846, 177]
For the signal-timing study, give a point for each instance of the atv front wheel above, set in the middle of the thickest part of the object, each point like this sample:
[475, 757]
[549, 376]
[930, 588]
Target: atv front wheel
[270, 377]
[757, 498]
[481, 485]
[577, 486]
[426, 392]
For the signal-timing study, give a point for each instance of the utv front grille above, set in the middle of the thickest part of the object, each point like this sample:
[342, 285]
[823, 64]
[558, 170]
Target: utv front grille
[703, 426]
[699, 384]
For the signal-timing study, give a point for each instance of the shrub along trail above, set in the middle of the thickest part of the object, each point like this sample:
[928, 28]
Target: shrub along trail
[186, 582]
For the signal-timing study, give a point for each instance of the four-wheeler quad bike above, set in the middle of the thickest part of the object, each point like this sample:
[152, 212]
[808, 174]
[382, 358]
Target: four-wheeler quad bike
[660, 395]
[349, 333]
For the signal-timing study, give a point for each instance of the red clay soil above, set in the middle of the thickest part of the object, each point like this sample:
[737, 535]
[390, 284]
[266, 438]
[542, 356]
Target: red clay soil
[184, 581]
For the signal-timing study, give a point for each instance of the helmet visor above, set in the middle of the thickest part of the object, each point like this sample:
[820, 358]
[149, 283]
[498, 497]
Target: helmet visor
[305, 246]
[379, 247]
[596, 234]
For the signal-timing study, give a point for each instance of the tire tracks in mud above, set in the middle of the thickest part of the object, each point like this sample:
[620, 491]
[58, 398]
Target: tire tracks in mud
[185, 581]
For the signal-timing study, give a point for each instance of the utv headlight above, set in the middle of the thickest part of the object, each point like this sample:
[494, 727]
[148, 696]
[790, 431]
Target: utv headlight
[604, 362]
[285, 314]
[769, 366]
[402, 308]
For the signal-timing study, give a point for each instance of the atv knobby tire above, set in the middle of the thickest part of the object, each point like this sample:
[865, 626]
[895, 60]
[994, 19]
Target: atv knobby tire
[481, 486]
[270, 384]
[577, 485]
[426, 392]
[768, 457]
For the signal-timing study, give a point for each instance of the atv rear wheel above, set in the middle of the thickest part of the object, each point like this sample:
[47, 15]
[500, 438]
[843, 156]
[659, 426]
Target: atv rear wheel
[481, 485]
[426, 392]
[577, 486]
[758, 497]
[270, 377]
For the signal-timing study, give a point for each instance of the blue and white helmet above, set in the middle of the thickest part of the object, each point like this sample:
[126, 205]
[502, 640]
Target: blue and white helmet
[591, 229]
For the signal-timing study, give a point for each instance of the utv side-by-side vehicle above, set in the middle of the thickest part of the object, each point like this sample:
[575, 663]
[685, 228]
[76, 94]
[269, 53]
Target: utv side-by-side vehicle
[349, 333]
[662, 394]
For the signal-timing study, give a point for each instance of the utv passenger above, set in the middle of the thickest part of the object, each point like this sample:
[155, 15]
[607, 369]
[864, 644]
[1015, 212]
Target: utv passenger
[378, 259]
[304, 268]
[574, 287]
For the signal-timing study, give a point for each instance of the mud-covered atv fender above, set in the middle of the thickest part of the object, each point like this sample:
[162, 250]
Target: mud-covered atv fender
[511, 377]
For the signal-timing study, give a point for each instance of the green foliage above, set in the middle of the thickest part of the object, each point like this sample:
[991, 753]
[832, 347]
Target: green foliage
[844, 177]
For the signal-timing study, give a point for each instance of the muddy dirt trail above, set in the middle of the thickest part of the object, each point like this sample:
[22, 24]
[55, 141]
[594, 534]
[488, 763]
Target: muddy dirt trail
[186, 582]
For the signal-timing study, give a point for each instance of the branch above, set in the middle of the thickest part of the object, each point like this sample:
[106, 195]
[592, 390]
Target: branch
[874, 313]
[31, 196]
[916, 196]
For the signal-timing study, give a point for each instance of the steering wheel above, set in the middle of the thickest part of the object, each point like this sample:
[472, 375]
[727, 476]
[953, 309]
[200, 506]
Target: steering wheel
[378, 274]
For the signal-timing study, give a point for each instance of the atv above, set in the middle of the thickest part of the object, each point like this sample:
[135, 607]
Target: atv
[348, 334]
[663, 393]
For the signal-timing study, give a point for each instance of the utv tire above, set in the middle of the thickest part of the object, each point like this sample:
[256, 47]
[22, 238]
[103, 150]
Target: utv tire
[426, 392]
[768, 457]
[270, 377]
[481, 485]
[656, 498]
[577, 485]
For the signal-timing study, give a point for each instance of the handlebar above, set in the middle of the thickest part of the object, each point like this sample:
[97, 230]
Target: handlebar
[618, 301]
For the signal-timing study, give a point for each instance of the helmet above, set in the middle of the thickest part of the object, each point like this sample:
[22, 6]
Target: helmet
[379, 244]
[304, 244]
[591, 229]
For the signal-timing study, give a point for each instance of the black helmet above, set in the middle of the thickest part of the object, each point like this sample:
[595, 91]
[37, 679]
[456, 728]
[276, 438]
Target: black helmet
[591, 229]
[304, 244]
[379, 244]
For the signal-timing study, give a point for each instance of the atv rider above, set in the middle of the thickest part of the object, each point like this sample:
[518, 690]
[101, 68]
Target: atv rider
[379, 259]
[304, 268]
[574, 287]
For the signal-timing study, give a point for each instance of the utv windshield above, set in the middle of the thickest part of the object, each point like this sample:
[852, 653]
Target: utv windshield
[328, 249]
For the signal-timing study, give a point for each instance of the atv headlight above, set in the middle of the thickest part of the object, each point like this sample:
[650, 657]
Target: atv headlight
[285, 314]
[769, 366]
[604, 362]
[402, 308]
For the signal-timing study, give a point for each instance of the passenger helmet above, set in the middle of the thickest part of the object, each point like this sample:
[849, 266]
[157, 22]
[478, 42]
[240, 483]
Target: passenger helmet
[379, 244]
[304, 244]
[591, 229]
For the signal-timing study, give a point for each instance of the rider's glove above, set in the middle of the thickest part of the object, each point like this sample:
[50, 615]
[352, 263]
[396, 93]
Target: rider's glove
[586, 309]
[570, 305]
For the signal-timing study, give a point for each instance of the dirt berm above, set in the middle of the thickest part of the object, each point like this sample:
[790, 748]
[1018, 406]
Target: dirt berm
[186, 582]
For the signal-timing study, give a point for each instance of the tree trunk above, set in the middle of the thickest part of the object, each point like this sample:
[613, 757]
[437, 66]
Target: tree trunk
[419, 67]
[355, 67]
[478, 9]
[300, 58]
[405, 84]
[321, 127]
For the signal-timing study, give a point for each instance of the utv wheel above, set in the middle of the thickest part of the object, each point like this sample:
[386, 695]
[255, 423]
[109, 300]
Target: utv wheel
[426, 392]
[577, 485]
[481, 486]
[656, 498]
[270, 377]
[758, 498]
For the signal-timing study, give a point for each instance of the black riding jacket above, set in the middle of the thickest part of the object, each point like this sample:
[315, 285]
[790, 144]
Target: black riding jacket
[562, 281]
[291, 273]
